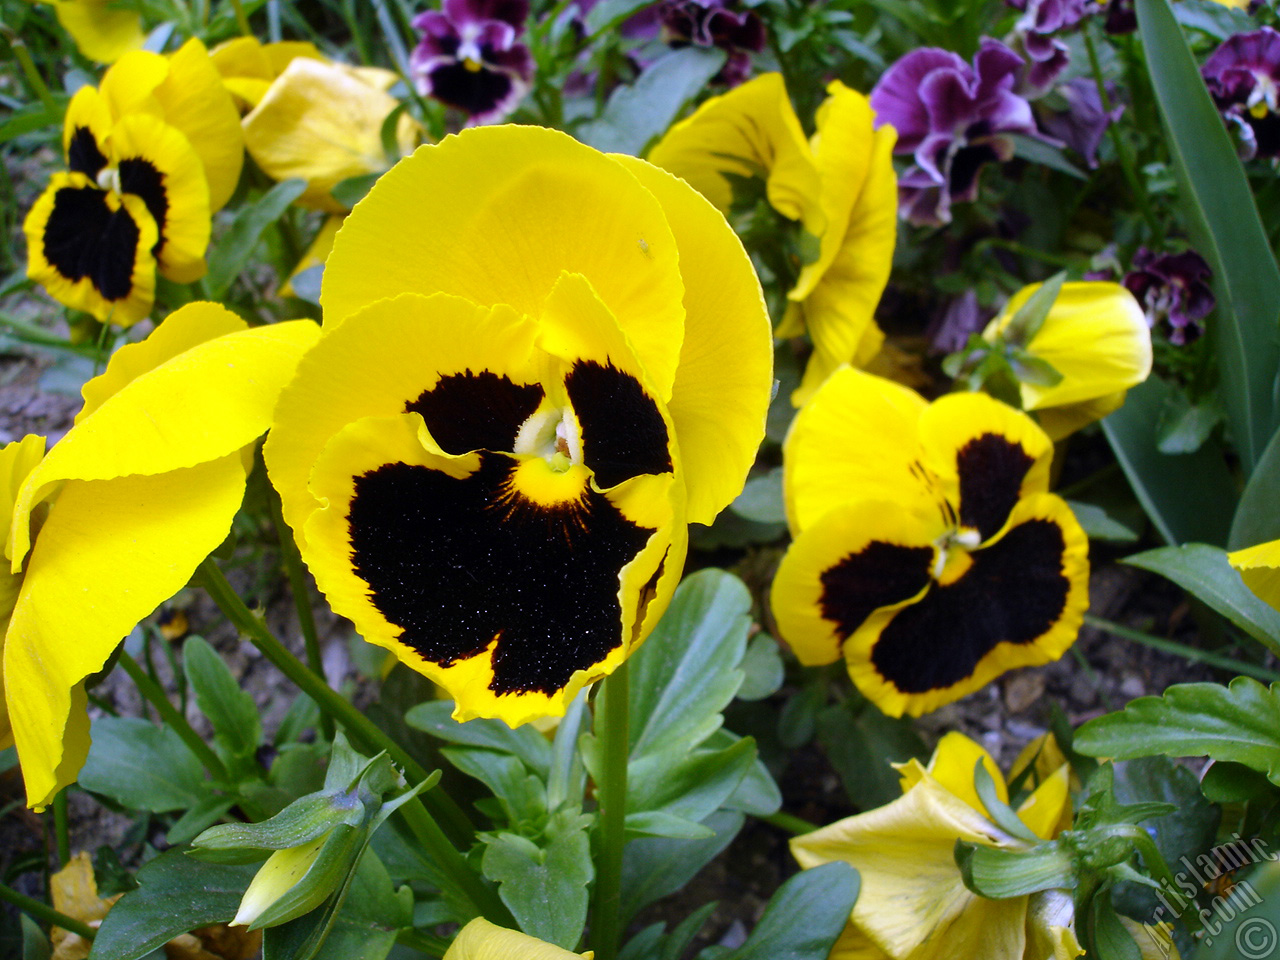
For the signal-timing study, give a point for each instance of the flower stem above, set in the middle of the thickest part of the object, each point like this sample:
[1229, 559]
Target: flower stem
[42, 911]
[173, 719]
[788, 822]
[422, 942]
[1182, 650]
[61, 828]
[369, 736]
[241, 20]
[612, 716]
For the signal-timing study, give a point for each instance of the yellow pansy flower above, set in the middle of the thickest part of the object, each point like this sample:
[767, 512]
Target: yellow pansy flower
[482, 940]
[928, 551]
[1096, 337]
[914, 904]
[839, 186]
[490, 457]
[115, 518]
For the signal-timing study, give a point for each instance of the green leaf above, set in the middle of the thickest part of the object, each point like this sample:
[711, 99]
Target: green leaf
[1030, 317]
[1224, 226]
[1183, 428]
[546, 889]
[1226, 782]
[1188, 497]
[525, 742]
[35, 945]
[1214, 18]
[692, 786]
[1098, 524]
[1037, 151]
[1109, 939]
[861, 744]
[203, 815]
[804, 917]
[237, 727]
[1240, 723]
[140, 765]
[300, 822]
[686, 673]
[523, 795]
[609, 13]
[761, 499]
[639, 113]
[653, 867]
[756, 794]
[658, 823]
[233, 250]
[175, 894]
[1204, 572]
[1257, 520]
[762, 668]
[351, 191]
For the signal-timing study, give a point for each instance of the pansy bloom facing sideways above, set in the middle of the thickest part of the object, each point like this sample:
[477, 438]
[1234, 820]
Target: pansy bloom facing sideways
[482, 940]
[490, 457]
[1096, 339]
[914, 904]
[927, 549]
[838, 187]
[1243, 75]
[952, 118]
[151, 154]
[115, 518]
[248, 66]
[470, 58]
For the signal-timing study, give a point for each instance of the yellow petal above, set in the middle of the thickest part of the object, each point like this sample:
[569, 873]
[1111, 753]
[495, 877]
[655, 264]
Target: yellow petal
[1051, 927]
[498, 214]
[17, 460]
[109, 553]
[75, 894]
[856, 439]
[322, 123]
[87, 116]
[913, 901]
[130, 82]
[102, 31]
[482, 940]
[751, 131]
[1046, 755]
[721, 390]
[952, 766]
[1259, 566]
[1048, 810]
[247, 66]
[205, 403]
[1061, 422]
[1155, 941]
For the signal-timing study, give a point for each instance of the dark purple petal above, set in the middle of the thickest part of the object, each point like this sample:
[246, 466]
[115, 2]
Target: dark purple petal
[997, 68]
[1173, 288]
[1045, 71]
[1084, 124]
[511, 12]
[896, 97]
[948, 100]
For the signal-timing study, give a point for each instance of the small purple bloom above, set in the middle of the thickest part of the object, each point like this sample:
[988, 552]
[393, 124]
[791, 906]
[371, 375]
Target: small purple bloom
[1172, 287]
[962, 317]
[1042, 19]
[952, 118]
[1242, 75]
[1120, 17]
[1084, 123]
[469, 57]
[713, 23]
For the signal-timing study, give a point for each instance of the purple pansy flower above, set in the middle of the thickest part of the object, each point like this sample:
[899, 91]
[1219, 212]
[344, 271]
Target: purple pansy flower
[1042, 19]
[1242, 75]
[1084, 123]
[952, 118]
[713, 23]
[1172, 287]
[469, 57]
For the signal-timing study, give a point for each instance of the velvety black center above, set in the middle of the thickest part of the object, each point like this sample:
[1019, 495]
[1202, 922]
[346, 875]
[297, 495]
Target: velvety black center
[476, 411]
[84, 237]
[455, 563]
[877, 575]
[472, 91]
[1014, 592]
[963, 175]
[623, 435]
[141, 178]
[991, 470]
[83, 155]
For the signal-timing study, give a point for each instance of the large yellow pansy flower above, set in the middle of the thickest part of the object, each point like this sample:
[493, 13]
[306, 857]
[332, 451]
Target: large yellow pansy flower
[914, 904]
[928, 552]
[840, 186]
[114, 519]
[1096, 336]
[490, 457]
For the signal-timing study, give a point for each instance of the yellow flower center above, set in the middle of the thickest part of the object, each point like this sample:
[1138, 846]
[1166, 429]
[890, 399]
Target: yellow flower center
[474, 66]
[953, 559]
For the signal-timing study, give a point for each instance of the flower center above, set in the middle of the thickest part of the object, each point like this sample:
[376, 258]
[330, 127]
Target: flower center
[552, 434]
[1263, 98]
[953, 557]
[109, 179]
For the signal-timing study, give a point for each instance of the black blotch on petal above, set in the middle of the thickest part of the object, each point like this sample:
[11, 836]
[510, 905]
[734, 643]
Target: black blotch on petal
[623, 435]
[454, 563]
[141, 178]
[83, 154]
[84, 237]
[1014, 592]
[476, 411]
[991, 469]
[472, 91]
[877, 575]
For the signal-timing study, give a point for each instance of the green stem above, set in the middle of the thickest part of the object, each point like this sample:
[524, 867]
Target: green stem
[32, 74]
[368, 736]
[242, 21]
[612, 715]
[1182, 650]
[790, 823]
[173, 719]
[301, 600]
[422, 942]
[42, 911]
[61, 827]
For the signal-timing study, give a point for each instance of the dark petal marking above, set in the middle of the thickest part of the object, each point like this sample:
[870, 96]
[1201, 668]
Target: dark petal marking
[991, 469]
[472, 91]
[1014, 592]
[476, 411]
[453, 564]
[83, 155]
[965, 165]
[84, 237]
[877, 575]
[141, 178]
[623, 434]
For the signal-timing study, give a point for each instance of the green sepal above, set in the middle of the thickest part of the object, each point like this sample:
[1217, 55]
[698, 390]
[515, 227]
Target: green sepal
[997, 873]
[327, 874]
[1030, 317]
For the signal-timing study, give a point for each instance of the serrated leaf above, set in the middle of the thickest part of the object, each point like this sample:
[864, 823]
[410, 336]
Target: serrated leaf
[805, 916]
[1239, 723]
[142, 766]
[546, 889]
[237, 726]
[234, 249]
[175, 894]
[1205, 573]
